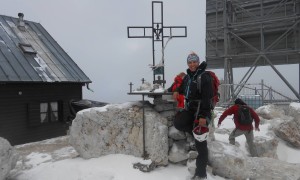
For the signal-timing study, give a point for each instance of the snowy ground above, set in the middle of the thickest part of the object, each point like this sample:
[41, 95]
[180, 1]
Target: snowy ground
[54, 159]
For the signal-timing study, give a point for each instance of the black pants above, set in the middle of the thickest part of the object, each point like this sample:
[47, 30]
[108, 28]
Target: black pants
[202, 158]
[184, 122]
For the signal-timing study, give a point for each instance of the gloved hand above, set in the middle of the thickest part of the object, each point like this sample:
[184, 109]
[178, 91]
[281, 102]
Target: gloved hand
[202, 122]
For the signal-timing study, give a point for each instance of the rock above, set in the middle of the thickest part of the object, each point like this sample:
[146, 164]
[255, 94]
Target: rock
[230, 162]
[265, 147]
[168, 114]
[176, 134]
[294, 109]
[8, 158]
[192, 155]
[191, 165]
[223, 131]
[270, 111]
[119, 129]
[178, 152]
[165, 106]
[289, 131]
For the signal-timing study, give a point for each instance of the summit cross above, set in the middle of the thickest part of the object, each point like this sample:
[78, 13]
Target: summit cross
[157, 32]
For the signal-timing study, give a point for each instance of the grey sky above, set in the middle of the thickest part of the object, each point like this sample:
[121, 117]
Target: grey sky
[94, 34]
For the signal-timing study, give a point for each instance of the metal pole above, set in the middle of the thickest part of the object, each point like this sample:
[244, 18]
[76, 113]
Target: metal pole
[271, 95]
[225, 25]
[231, 79]
[144, 133]
[282, 77]
[262, 92]
[297, 40]
[262, 37]
[153, 34]
[162, 40]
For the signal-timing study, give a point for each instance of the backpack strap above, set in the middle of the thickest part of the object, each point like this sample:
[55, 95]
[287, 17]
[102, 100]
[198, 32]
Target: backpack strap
[199, 81]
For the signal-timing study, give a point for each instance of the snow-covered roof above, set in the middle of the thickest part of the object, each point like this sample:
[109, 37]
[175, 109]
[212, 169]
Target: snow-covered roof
[28, 53]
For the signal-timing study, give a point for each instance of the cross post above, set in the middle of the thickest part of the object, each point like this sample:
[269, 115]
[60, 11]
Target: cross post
[130, 84]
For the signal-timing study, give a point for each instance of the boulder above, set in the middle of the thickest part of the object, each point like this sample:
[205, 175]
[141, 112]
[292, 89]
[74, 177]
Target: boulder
[8, 158]
[178, 152]
[118, 128]
[270, 111]
[289, 131]
[293, 109]
[176, 134]
[230, 162]
[266, 147]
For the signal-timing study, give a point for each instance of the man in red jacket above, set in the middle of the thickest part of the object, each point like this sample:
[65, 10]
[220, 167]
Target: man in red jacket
[177, 83]
[240, 129]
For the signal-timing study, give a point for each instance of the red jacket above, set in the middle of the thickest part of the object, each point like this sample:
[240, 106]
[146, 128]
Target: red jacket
[234, 110]
[180, 99]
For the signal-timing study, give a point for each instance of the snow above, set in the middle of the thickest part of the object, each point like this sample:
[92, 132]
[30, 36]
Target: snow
[36, 159]
[125, 105]
[120, 167]
[264, 109]
[117, 167]
[159, 90]
[295, 105]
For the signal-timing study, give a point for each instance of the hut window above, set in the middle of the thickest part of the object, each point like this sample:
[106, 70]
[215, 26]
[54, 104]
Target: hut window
[49, 112]
[44, 112]
[27, 48]
[54, 111]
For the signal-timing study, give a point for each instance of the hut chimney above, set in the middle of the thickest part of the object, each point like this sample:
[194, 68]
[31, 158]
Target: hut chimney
[21, 24]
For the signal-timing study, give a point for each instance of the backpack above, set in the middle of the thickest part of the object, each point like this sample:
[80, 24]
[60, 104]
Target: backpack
[244, 115]
[215, 96]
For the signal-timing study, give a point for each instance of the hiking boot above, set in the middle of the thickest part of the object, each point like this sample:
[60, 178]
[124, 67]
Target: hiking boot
[237, 144]
[198, 178]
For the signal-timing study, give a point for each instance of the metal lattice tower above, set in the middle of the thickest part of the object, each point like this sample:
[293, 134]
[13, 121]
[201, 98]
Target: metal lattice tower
[251, 33]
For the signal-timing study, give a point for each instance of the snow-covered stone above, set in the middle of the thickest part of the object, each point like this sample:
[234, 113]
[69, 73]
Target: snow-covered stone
[176, 134]
[164, 106]
[119, 129]
[191, 165]
[169, 115]
[230, 162]
[265, 147]
[192, 154]
[289, 131]
[8, 158]
[270, 111]
[294, 109]
[178, 152]
[223, 131]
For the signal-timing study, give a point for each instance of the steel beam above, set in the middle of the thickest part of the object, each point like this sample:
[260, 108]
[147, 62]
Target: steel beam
[282, 77]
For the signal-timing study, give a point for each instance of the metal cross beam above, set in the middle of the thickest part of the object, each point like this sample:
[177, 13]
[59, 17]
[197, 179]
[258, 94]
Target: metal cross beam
[157, 32]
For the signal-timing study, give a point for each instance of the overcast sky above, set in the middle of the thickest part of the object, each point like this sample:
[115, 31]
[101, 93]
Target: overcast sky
[94, 34]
